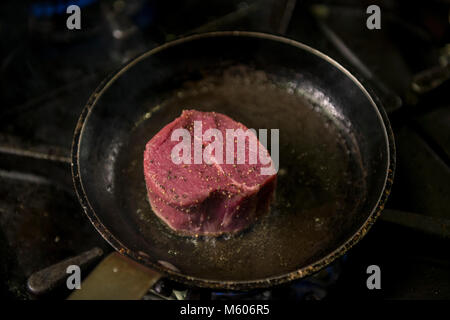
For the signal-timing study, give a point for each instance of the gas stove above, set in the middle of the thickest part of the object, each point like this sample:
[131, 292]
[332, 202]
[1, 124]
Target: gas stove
[48, 73]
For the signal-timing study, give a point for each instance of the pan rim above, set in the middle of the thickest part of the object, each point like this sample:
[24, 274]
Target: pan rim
[230, 284]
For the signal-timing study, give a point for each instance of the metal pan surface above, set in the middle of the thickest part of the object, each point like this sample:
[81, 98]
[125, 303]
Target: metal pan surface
[336, 156]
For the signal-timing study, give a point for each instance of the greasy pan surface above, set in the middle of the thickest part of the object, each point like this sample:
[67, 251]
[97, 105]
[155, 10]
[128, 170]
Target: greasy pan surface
[336, 156]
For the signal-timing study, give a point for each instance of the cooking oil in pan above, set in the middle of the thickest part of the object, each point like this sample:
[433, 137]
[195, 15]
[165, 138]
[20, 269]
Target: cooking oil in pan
[320, 181]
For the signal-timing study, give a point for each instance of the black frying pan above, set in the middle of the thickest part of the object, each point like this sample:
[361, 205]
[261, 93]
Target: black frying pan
[336, 156]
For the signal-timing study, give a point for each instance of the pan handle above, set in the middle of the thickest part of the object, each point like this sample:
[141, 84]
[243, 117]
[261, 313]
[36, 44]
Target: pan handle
[45, 280]
[116, 278]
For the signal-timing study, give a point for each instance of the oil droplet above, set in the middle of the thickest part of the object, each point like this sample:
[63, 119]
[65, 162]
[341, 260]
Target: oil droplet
[147, 115]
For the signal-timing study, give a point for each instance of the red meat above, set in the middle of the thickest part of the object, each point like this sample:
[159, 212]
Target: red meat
[206, 198]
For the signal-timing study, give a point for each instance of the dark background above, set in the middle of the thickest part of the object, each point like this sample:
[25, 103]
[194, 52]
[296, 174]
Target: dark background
[48, 72]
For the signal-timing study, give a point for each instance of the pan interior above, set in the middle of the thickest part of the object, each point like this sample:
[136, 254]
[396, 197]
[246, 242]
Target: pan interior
[327, 181]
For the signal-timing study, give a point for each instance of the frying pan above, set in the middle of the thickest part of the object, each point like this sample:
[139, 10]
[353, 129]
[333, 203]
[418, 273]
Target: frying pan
[336, 155]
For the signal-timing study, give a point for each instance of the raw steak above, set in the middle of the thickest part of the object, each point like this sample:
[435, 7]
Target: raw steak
[206, 199]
